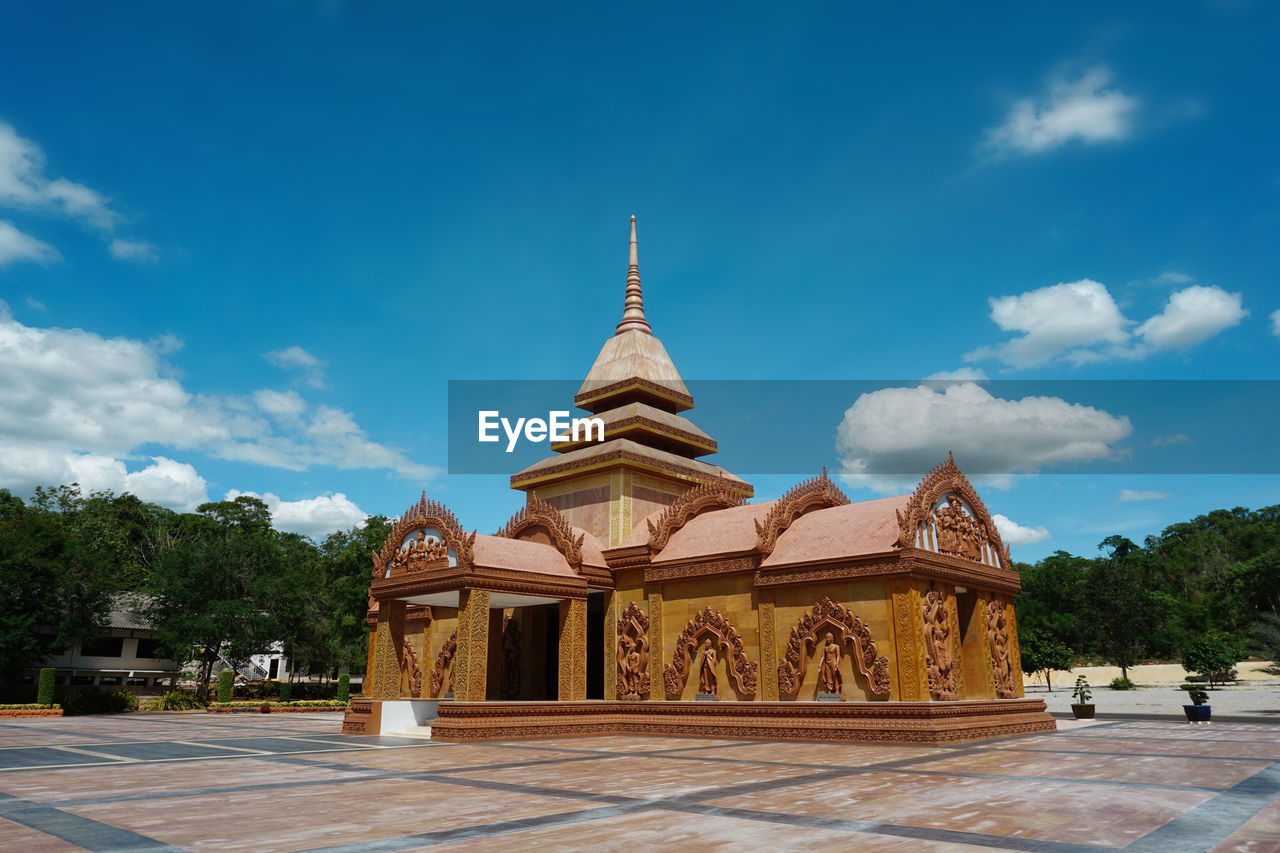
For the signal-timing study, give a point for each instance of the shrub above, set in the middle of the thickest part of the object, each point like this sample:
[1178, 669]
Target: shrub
[95, 702]
[177, 700]
[344, 688]
[286, 691]
[1121, 683]
[1082, 691]
[1212, 655]
[225, 679]
[44, 695]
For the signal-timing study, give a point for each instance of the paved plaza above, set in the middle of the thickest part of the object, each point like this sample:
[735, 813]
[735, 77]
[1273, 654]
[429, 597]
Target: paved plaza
[285, 782]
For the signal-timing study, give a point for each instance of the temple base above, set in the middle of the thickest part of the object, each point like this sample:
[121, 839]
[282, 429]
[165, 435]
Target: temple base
[851, 722]
[387, 717]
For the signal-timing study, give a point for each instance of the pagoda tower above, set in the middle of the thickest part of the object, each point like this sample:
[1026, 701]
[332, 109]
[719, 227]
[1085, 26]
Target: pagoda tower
[649, 455]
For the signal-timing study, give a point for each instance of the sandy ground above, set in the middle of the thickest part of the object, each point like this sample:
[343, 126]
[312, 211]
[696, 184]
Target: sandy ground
[1256, 699]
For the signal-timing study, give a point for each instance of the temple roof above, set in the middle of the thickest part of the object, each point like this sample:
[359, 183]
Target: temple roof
[650, 426]
[852, 530]
[721, 531]
[633, 364]
[616, 452]
[517, 555]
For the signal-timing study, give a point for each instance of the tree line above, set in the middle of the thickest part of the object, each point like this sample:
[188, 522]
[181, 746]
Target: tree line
[1212, 580]
[220, 581]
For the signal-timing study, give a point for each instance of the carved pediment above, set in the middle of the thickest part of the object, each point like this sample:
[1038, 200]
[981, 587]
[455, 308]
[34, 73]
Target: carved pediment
[542, 516]
[426, 536]
[713, 494]
[817, 493]
[946, 516]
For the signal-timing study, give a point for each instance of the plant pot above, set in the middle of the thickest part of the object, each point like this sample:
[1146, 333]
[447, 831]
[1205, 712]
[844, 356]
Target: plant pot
[1082, 712]
[1197, 713]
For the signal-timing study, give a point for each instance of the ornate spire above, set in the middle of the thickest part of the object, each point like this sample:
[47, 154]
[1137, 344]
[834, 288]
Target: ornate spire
[633, 310]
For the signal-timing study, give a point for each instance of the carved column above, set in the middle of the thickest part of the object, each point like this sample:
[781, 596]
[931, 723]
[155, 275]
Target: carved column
[768, 647]
[656, 652]
[386, 658]
[908, 643]
[611, 645]
[984, 644]
[573, 649]
[957, 642]
[471, 661]
[1015, 653]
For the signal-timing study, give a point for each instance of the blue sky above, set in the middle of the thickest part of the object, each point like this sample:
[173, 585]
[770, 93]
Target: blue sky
[244, 248]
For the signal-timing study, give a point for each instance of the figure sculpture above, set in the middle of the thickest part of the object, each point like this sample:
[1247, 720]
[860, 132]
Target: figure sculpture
[829, 674]
[937, 639]
[707, 672]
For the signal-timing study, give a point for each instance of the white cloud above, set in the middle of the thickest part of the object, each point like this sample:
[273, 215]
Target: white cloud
[315, 517]
[16, 245]
[132, 250]
[1056, 322]
[1134, 495]
[176, 485]
[893, 434]
[1012, 533]
[1079, 322]
[1172, 277]
[24, 184]
[1175, 438]
[297, 358]
[1084, 110]
[1275, 323]
[1193, 314]
[74, 404]
[966, 373]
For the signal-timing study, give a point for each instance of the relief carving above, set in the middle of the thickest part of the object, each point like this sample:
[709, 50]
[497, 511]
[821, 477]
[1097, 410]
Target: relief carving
[949, 529]
[816, 493]
[707, 672]
[714, 494]
[938, 646]
[398, 556]
[411, 673]
[633, 653]
[1001, 660]
[444, 664]
[804, 638]
[745, 673]
[540, 514]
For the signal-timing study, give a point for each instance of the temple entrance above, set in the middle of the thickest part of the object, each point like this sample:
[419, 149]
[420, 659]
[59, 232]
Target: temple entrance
[595, 645]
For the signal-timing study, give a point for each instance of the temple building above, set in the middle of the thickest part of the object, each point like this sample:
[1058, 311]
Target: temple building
[639, 590]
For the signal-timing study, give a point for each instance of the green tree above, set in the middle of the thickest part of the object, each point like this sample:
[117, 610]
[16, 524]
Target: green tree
[1120, 609]
[55, 591]
[210, 591]
[1041, 652]
[1212, 655]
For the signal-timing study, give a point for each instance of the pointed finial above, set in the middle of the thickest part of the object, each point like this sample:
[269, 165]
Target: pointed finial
[633, 308]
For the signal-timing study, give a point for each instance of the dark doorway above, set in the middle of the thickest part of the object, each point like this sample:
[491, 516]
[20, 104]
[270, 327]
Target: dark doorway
[595, 646]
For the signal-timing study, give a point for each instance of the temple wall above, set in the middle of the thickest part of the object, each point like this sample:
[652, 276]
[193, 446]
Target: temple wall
[584, 502]
[444, 621]
[866, 599]
[733, 596]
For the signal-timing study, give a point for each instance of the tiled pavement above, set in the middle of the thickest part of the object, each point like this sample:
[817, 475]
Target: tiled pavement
[195, 782]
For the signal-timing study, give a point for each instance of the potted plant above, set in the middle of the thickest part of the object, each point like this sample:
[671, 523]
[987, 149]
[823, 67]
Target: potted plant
[1084, 708]
[1199, 709]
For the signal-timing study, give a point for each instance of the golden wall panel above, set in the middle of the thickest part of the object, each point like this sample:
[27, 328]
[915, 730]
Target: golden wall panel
[908, 641]
[472, 660]
[656, 646]
[866, 599]
[573, 649]
[1015, 652]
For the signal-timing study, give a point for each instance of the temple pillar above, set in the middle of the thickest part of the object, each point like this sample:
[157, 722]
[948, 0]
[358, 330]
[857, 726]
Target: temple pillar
[657, 689]
[908, 642]
[1015, 653]
[386, 656]
[768, 647]
[573, 649]
[957, 641]
[471, 661]
[611, 645]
